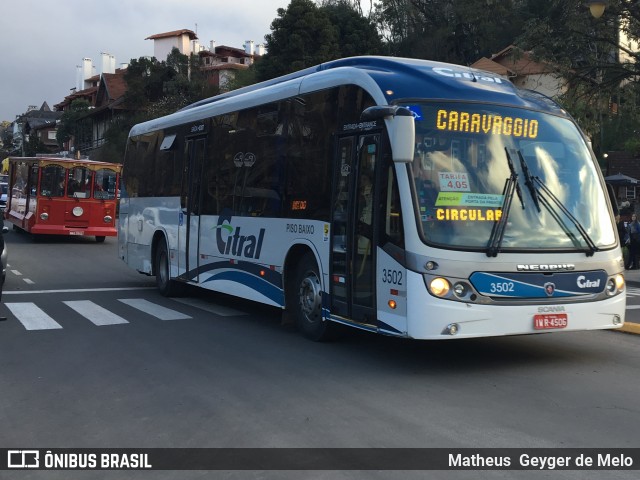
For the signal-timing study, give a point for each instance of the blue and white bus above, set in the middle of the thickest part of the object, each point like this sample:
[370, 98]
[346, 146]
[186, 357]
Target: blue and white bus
[400, 196]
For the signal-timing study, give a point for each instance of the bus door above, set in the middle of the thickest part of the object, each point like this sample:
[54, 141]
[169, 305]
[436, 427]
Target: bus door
[353, 249]
[189, 229]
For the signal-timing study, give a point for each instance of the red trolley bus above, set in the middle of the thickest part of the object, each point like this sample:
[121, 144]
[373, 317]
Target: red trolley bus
[63, 196]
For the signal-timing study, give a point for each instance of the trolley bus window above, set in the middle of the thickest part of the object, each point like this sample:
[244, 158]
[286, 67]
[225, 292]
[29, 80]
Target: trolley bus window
[79, 182]
[104, 186]
[52, 181]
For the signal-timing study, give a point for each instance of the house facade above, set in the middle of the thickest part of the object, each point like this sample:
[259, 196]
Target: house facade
[524, 71]
[40, 122]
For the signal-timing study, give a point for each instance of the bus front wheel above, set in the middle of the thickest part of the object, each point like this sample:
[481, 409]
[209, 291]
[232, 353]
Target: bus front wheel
[166, 286]
[100, 239]
[307, 301]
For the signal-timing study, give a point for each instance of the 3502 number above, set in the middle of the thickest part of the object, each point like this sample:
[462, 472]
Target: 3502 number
[394, 277]
[502, 287]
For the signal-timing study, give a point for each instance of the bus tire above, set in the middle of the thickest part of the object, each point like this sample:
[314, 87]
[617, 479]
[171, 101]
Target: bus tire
[166, 286]
[307, 301]
[100, 239]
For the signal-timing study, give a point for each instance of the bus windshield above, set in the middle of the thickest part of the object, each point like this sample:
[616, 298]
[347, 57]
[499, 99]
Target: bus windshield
[475, 164]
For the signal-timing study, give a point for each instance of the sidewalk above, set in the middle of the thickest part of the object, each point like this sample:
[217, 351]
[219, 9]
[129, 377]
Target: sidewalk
[632, 277]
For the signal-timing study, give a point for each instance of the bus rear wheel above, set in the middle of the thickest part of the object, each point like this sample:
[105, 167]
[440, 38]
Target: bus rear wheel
[166, 286]
[307, 301]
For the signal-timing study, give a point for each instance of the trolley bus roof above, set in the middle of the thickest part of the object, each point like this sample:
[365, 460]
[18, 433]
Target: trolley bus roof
[67, 162]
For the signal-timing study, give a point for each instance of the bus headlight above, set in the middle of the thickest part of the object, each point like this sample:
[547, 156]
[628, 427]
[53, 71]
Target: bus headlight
[460, 290]
[615, 285]
[439, 287]
[108, 219]
[44, 216]
[77, 211]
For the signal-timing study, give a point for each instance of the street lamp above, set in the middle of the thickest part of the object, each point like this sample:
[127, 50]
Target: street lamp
[596, 7]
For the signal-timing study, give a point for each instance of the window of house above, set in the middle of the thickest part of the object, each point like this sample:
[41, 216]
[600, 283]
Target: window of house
[630, 193]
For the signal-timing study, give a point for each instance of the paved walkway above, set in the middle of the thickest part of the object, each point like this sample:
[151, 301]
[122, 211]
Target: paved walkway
[632, 278]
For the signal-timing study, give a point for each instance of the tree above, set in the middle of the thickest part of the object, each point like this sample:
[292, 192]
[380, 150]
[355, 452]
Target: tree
[584, 49]
[243, 78]
[599, 59]
[448, 30]
[301, 36]
[357, 35]
[33, 145]
[305, 35]
[71, 124]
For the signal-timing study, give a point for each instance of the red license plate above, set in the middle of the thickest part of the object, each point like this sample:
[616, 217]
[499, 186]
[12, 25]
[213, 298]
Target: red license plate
[548, 321]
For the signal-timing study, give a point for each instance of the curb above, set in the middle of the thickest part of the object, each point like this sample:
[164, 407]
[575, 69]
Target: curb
[629, 327]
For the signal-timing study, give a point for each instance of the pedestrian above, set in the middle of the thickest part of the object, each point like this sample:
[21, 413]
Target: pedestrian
[633, 230]
[624, 238]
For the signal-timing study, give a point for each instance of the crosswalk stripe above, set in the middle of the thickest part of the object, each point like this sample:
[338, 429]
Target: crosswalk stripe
[95, 313]
[32, 317]
[157, 311]
[210, 307]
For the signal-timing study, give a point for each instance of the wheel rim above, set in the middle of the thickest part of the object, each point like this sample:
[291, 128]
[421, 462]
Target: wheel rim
[310, 298]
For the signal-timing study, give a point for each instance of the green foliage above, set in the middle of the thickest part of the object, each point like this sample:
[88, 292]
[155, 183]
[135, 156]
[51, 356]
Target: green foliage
[357, 35]
[34, 145]
[448, 30]
[305, 35]
[301, 36]
[243, 78]
[600, 68]
[73, 124]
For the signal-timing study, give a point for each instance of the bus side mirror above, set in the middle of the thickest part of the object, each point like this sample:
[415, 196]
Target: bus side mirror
[401, 128]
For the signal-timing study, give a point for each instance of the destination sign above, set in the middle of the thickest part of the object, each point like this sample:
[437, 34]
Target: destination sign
[490, 124]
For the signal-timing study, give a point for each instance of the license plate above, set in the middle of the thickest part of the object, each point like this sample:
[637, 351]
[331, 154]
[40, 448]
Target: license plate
[76, 232]
[550, 320]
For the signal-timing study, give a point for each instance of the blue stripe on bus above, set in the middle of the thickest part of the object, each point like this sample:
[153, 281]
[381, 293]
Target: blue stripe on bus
[256, 283]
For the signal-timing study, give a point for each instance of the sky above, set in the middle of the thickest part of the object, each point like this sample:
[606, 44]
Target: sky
[42, 41]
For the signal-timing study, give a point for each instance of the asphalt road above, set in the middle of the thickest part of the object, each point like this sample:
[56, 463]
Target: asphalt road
[127, 368]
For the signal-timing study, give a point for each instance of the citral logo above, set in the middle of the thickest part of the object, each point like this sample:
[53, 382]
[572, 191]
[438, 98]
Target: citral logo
[469, 75]
[584, 283]
[233, 243]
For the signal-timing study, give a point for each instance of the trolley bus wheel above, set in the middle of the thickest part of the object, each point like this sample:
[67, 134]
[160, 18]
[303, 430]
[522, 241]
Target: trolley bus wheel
[166, 286]
[307, 301]
[100, 239]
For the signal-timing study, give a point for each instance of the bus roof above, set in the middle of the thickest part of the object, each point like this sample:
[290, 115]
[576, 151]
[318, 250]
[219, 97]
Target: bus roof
[388, 80]
[67, 162]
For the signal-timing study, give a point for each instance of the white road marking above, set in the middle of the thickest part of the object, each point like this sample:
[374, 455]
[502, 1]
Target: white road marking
[28, 281]
[95, 313]
[16, 272]
[74, 290]
[32, 317]
[157, 311]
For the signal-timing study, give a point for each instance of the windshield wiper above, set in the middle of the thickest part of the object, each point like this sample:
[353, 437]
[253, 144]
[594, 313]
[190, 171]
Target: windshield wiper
[592, 247]
[528, 181]
[511, 185]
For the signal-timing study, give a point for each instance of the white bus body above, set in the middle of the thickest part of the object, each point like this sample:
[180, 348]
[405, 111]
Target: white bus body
[399, 196]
